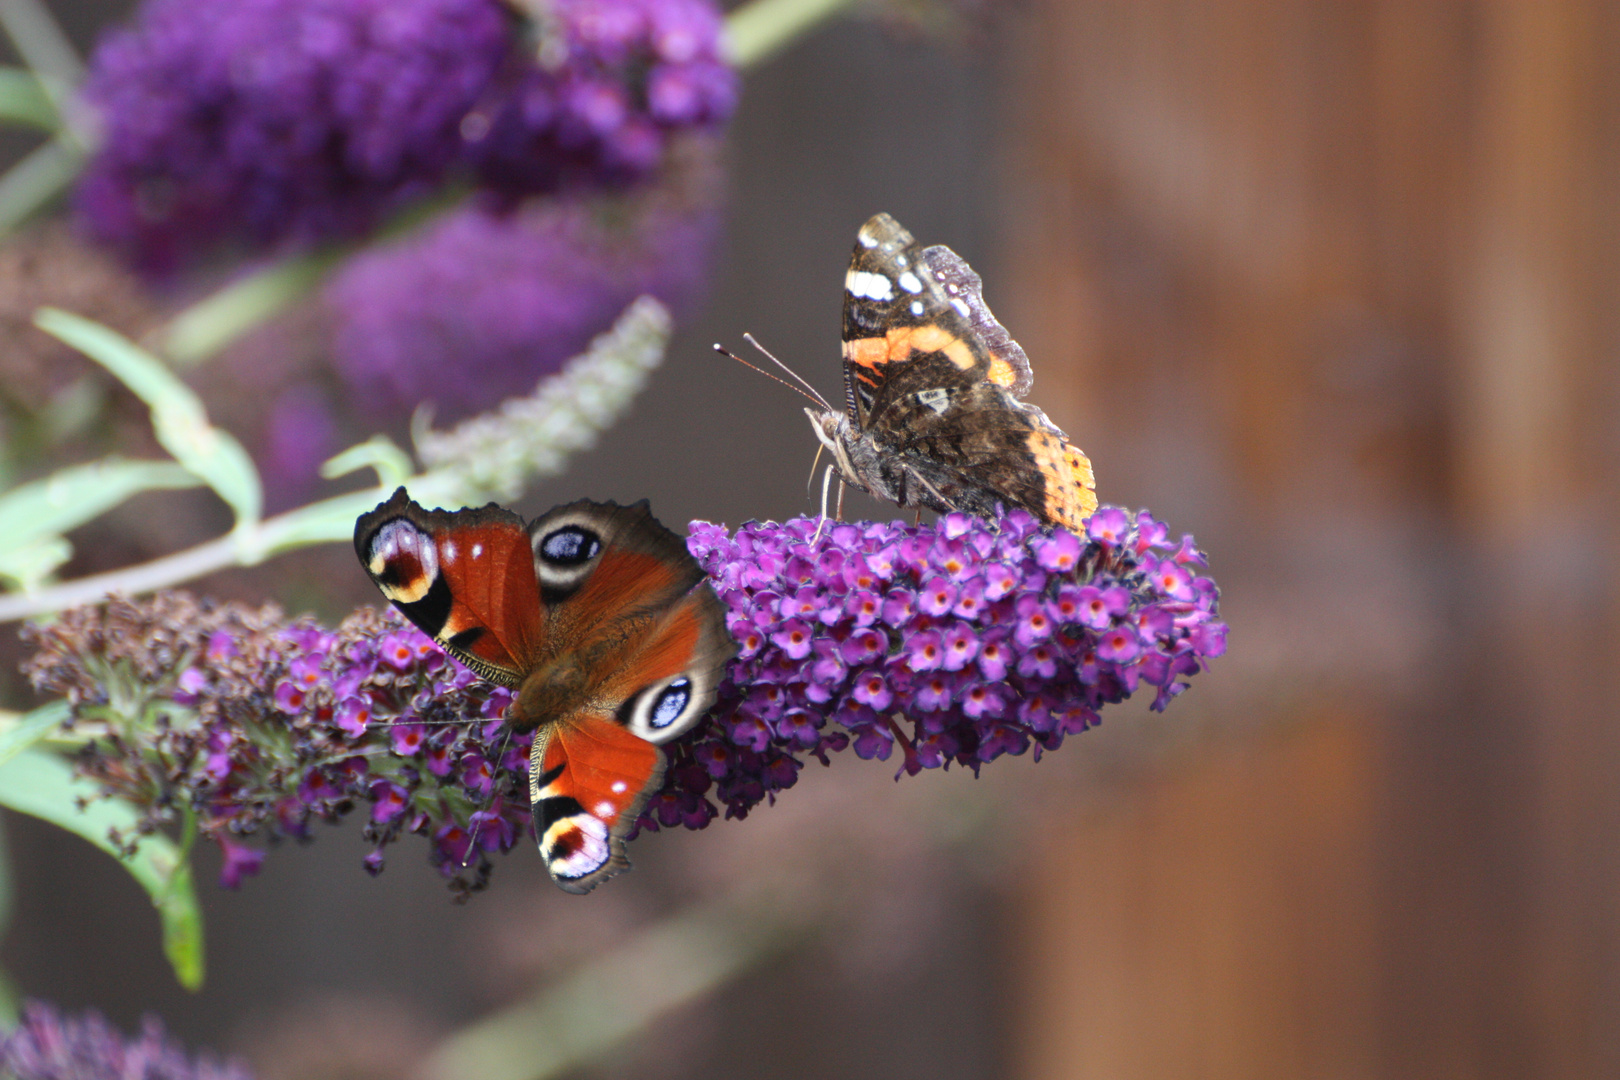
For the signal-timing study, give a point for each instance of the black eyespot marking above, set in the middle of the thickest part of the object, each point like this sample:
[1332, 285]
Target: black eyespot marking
[670, 704]
[570, 546]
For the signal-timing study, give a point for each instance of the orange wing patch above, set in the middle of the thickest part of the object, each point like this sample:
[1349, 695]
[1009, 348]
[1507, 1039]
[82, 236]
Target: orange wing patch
[1068, 479]
[902, 343]
[907, 341]
[1002, 373]
[869, 352]
[1085, 482]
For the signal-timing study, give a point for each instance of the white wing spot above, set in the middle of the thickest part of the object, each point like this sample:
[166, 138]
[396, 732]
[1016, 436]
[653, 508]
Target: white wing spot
[916, 307]
[962, 307]
[869, 285]
[909, 282]
[867, 239]
[938, 400]
[478, 549]
[604, 809]
[618, 787]
[448, 550]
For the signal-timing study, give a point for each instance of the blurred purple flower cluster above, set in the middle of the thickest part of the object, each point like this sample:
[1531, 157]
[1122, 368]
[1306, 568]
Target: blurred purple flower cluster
[509, 297]
[262, 121]
[48, 1046]
[984, 639]
[261, 726]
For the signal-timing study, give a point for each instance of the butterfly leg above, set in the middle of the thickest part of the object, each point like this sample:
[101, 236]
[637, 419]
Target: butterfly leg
[826, 482]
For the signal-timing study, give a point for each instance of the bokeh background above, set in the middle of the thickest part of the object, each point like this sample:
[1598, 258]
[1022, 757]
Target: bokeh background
[1331, 286]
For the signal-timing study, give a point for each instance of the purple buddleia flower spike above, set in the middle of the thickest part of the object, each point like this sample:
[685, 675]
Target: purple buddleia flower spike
[46, 1045]
[990, 639]
[258, 122]
[261, 726]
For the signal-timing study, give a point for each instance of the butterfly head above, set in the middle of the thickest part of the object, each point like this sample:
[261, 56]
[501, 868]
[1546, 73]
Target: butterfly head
[842, 440]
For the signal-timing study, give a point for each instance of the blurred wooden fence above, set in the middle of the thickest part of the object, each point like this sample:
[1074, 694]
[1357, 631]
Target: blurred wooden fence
[1337, 284]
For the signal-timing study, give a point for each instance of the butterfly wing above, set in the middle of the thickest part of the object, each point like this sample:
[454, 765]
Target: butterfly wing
[1009, 366]
[466, 578]
[589, 779]
[646, 649]
[972, 447]
[898, 319]
[602, 621]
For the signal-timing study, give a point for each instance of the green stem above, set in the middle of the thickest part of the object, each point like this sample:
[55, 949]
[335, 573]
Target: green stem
[760, 29]
[203, 329]
[23, 101]
[37, 179]
[587, 1015]
[212, 323]
[43, 47]
[324, 522]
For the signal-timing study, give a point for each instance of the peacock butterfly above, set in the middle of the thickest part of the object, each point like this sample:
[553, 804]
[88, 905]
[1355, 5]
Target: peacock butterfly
[599, 619]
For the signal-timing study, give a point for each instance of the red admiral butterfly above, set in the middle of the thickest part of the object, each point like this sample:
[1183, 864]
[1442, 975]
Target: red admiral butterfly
[932, 384]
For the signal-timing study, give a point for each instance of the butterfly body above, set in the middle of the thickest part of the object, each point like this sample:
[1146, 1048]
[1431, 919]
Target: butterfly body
[932, 384]
[599, 620]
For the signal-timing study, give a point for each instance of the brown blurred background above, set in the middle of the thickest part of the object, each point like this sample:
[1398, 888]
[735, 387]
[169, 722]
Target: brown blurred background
[1330, 285]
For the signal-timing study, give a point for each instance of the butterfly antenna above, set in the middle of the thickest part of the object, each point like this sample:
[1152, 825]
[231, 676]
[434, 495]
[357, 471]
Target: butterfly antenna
[816, 394]
[472, 836]
[423, 723]
[816, 399]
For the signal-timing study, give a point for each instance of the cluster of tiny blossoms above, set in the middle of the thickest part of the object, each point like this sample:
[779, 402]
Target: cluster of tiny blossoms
[258, 121]
[48, 1046]
[958, 642]
[260, 726]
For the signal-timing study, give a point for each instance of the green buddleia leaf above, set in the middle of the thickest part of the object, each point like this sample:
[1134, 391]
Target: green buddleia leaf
[42, 784]
[178, 418]
[18, 733]
[70, 497]
[28, 565]
[379, 452]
